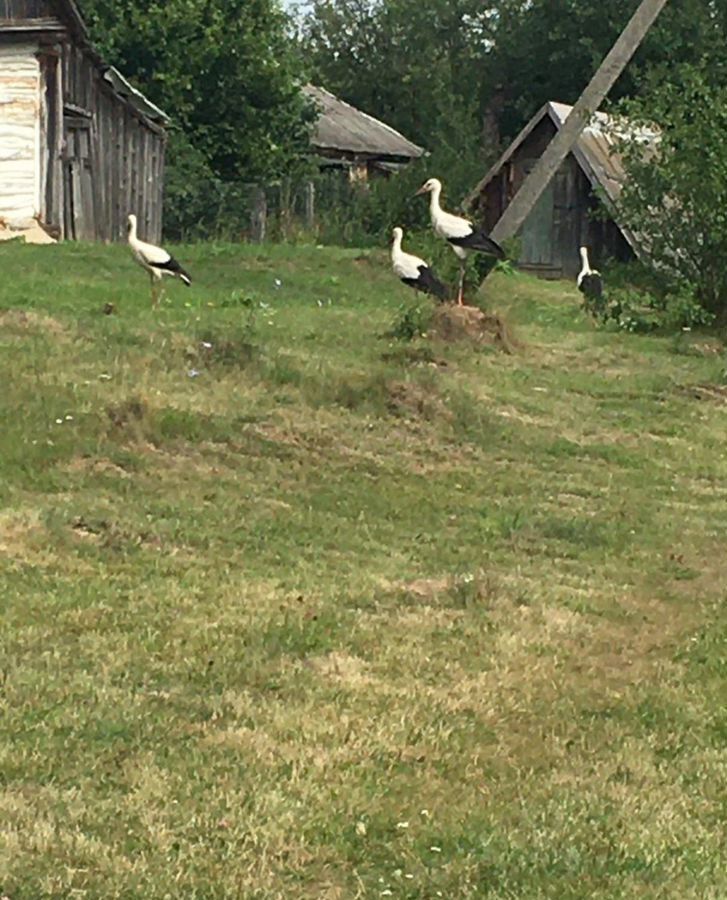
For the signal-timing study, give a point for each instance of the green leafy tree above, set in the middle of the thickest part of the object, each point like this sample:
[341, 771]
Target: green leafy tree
[417, 66]
[228, 74]
[676, 196]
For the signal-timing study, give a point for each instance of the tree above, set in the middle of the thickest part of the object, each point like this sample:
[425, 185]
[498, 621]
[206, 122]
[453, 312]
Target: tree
[676, 197]
[415, 65]
[228, 74]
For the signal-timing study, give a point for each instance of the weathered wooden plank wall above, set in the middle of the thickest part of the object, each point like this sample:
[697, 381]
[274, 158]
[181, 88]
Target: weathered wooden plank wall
[125, 155]
[100, 157]
[12, 10]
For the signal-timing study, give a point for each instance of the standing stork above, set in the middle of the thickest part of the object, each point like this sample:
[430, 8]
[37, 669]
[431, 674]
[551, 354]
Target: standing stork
[462, 236]
[589, 281]
[413, 271]
[156, 261]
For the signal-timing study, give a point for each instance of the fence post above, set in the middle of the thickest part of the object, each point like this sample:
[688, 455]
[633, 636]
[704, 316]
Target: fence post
[310, 205]
[285, 210]
[258, 214]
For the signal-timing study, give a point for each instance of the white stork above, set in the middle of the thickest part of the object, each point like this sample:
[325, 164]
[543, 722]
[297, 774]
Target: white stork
[460, 233]
[413, 271]
[156, 261]
[589, 281]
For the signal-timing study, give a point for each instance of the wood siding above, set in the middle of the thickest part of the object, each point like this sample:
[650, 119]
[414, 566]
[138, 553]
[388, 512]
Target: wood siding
[19, 133]
[111, 150]
[561, 221]
[97, 157]
[13, 11]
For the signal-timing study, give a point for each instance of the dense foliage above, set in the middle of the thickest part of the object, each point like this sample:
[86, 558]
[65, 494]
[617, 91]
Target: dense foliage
[676, 196]
[227, 72]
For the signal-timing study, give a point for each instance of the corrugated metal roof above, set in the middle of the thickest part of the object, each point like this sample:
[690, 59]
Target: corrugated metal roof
[341, 126]
[596, 153]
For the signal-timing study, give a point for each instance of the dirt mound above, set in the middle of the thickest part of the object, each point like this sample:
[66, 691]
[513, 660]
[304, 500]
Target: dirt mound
[457, 323]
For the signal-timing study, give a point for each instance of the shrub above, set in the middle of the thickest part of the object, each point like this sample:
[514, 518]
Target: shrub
[675, 194]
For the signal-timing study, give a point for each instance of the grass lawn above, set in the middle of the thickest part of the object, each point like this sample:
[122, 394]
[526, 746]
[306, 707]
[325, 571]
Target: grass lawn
[291, 610]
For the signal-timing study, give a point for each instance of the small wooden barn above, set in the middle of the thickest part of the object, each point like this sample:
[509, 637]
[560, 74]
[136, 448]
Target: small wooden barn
[345, 138]
[570, 212]
[80, 148]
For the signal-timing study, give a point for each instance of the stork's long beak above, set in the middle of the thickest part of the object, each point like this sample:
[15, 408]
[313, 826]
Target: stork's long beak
[422, 190]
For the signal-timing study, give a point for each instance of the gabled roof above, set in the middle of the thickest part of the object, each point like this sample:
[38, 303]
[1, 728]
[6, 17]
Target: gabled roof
[595, 151]
[341, 126]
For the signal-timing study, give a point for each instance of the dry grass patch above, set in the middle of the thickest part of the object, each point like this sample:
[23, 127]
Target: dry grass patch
[22, 321]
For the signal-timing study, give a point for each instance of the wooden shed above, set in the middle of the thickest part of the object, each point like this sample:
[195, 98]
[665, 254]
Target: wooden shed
[345, 138]
[570, 212]
[80, 148]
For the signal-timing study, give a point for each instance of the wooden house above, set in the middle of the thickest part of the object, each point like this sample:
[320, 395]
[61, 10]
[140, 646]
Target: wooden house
[579, 206]
[345, 138]
[80, 148]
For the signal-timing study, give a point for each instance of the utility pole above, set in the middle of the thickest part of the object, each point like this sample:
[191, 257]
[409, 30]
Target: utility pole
[589, 101]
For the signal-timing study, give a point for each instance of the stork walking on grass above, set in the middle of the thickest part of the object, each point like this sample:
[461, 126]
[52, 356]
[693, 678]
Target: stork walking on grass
[463, 237]
[589, 281]
[413, 271]
[156, 261]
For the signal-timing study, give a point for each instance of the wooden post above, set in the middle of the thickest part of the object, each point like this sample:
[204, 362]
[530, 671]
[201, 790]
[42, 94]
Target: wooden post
[258, 214]
[284, 209]
[589, 101]
[310, 205]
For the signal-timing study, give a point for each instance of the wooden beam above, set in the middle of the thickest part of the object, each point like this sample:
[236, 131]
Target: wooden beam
[612, 66]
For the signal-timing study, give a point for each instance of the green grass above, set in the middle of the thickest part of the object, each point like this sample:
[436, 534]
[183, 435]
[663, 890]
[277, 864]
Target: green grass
[291, 610]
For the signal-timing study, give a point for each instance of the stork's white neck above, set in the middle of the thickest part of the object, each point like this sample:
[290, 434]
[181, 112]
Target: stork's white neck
[396, 246]
[132, 232]
[434, 195]
[584, 260]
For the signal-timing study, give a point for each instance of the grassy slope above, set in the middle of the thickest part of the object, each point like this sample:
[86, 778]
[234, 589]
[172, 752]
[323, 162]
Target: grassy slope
[320, 622]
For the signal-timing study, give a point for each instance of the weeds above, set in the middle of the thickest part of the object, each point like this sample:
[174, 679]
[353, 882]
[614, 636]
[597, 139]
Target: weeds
[412, 321]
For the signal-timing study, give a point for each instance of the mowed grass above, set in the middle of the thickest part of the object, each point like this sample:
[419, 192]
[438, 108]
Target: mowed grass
[292, 610]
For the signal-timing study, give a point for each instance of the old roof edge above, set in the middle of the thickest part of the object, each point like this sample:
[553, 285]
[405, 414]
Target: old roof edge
[69, 9]
[148, 109]
[140, 103]
[545, 109]
[311, 89]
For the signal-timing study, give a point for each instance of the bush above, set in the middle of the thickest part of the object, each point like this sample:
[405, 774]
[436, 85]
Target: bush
[675, 194]
[638, 309]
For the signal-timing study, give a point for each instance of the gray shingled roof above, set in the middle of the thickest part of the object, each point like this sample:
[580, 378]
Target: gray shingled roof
[341, 126]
